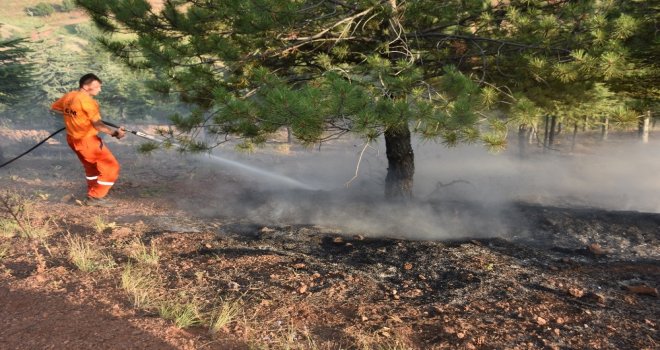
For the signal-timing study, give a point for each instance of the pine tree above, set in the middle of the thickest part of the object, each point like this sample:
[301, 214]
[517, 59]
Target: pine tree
[375, 68]
[15, 72]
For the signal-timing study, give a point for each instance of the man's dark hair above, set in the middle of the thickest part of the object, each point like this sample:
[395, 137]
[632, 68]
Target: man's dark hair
[87, 79]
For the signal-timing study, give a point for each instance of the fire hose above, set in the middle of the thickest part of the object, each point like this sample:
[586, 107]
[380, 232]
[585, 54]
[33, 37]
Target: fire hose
[134, 132]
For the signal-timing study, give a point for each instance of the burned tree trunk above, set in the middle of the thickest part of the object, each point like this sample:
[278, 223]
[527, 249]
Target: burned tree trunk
[400, 164]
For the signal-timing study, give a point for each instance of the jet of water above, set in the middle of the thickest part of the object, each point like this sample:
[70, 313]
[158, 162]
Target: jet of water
[257, 171]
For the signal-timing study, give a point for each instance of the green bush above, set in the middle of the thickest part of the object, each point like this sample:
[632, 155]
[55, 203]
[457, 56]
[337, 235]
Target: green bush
[42, 9]
[68, 5]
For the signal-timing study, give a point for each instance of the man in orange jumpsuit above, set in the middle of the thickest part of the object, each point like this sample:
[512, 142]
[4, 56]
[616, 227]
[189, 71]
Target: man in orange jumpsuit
[83, 122]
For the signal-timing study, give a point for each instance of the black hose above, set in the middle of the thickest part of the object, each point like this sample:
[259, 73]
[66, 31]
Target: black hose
[31, 149]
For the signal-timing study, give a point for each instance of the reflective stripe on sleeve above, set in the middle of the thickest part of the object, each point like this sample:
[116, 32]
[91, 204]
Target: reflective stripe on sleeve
[91, 177]
[105, 183]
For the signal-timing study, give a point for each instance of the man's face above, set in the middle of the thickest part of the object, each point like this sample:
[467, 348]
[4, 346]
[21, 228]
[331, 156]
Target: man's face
[93, 88]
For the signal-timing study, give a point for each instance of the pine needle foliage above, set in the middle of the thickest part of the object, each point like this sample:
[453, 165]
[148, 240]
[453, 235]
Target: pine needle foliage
[332, 67]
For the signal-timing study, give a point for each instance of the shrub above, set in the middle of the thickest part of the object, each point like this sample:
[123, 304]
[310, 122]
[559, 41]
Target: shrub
[68, 5]
[41, 10]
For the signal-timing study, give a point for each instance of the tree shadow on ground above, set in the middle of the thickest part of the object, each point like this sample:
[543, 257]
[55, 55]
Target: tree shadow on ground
[33, 320]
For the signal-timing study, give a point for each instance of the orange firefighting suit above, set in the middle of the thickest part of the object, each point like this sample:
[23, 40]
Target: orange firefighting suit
[101, 167]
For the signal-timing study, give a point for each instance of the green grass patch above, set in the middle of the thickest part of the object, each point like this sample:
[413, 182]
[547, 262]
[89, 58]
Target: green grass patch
[86, 257]
[140, 285]
[183, 315]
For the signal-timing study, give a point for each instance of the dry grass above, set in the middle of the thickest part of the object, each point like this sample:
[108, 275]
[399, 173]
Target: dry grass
[86, 257]
[9, 228]
[141, 285]
[224, 314]
[17, 217]
[143, 255]
[100, 225]
[4, 250]
[184, 315]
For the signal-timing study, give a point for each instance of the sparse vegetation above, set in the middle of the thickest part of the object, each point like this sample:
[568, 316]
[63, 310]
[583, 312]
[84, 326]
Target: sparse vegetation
[68, 5]
[42, 9]
[16, 217]
[184, 315]
[4, 249]
[140, 253]
[141, 285]
[86, 257]
[8, 228]
[100, 225]
[224, 314]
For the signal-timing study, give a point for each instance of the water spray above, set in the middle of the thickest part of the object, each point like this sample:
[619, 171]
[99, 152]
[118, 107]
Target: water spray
[216, 159]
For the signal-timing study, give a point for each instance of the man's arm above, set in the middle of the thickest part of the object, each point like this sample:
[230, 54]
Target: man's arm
[58, 106]
[118, 133]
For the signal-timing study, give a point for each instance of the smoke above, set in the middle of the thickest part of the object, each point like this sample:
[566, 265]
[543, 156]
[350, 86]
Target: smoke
[460, 192]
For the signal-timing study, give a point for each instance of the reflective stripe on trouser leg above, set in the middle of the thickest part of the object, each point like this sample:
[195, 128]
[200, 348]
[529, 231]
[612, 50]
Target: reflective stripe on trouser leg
[98, 161]
[91, 182]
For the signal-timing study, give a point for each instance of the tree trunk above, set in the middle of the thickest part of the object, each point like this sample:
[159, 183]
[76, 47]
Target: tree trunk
[400, 164]
[289, 135]
[545, 133]
[605, 129]
[522, 140]
[560, 127]
[644, 123]
[553, 124]
[575, 131]
[584, 124]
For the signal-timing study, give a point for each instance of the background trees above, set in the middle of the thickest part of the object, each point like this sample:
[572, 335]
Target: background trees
[15, 71]
[373, 68]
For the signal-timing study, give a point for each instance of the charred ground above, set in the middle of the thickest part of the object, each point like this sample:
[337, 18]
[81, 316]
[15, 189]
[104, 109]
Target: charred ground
[545, 276]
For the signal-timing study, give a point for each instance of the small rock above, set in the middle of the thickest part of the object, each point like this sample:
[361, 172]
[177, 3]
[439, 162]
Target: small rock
[364, 318]
[302, 289]
[541, 321]
[338, 240]
[233, 285]
[66, 198]
[643, 289]
[407, 266]
[358, 237]
[560, 320]
[556, 331]
[596, 249]
[470, 346]
[460, 335]
[299, 266]
[266, 229]
[576, 292]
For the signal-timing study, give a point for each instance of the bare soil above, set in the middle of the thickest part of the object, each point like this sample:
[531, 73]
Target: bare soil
[563, 278]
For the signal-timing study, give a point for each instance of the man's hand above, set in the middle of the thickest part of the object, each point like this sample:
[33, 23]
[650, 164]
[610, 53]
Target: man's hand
[119, 133]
